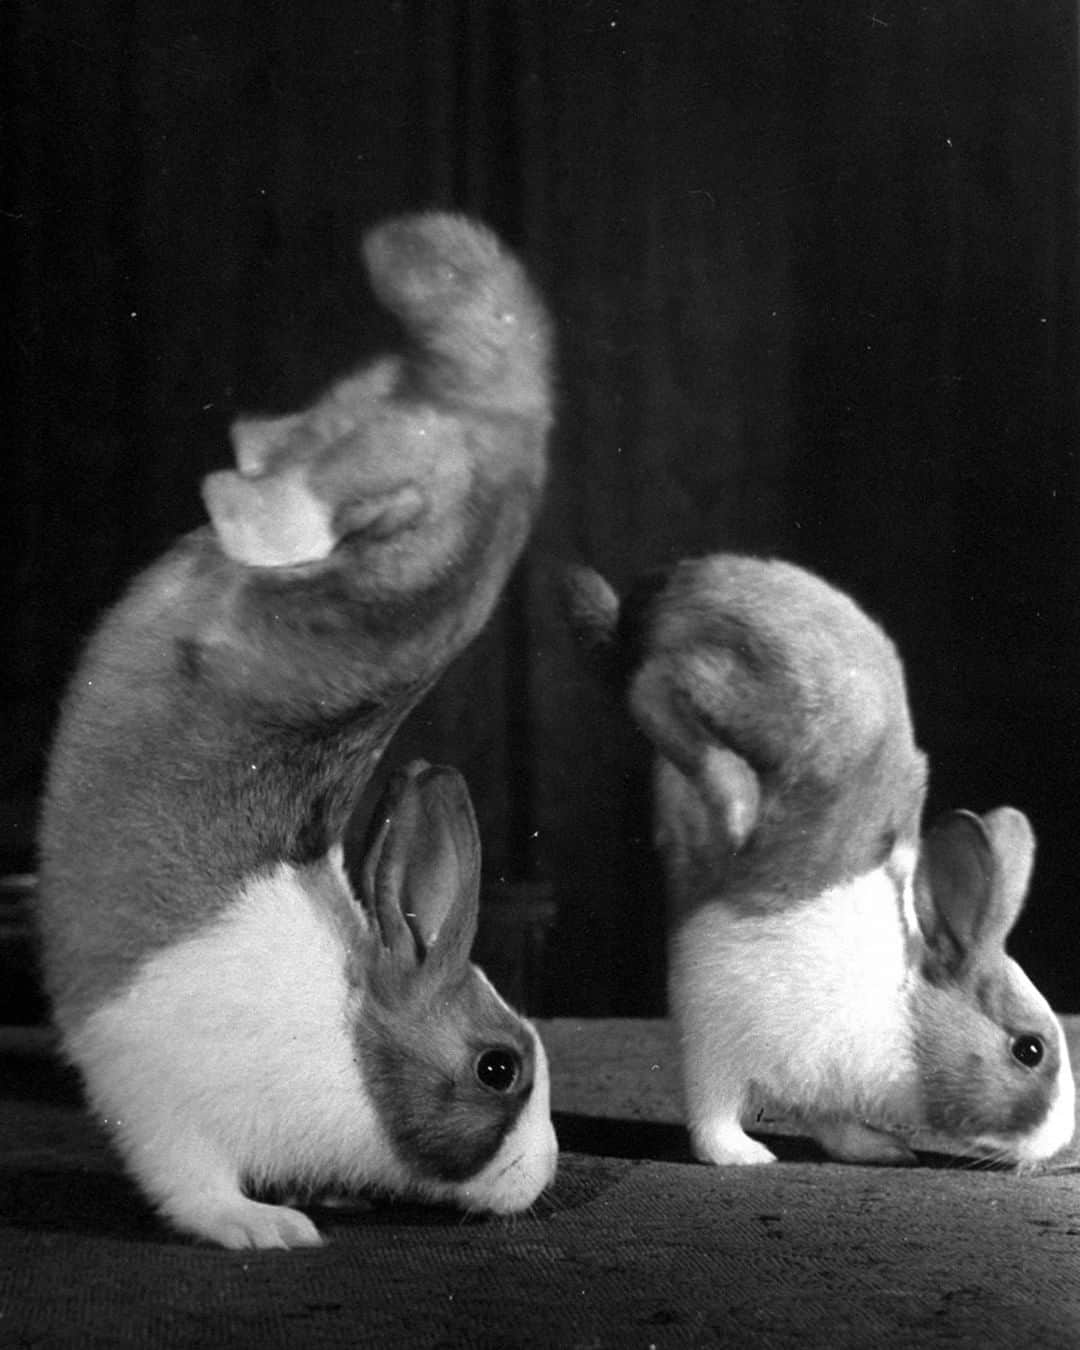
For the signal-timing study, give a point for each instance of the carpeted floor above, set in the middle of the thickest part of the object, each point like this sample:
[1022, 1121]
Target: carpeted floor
[635, 1246]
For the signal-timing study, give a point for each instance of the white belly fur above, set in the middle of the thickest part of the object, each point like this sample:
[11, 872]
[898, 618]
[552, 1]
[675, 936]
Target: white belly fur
[235, 1044]
[807, 1005]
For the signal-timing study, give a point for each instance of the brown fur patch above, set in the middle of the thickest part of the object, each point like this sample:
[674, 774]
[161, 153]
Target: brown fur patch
[418, 1046]
[971, 1082]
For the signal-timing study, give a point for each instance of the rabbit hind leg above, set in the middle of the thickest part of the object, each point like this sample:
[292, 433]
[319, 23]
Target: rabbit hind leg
[197, 1190]
[716, 1100]
[853, 1142]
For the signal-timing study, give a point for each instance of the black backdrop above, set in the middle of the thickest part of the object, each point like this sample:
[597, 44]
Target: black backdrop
[815, 273]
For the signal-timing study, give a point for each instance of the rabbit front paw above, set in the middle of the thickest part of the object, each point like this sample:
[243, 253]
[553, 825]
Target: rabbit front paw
[723, 1144]
[248, 1223]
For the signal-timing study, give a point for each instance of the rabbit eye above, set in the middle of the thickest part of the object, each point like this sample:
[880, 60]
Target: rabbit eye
[1028, 1051]
[498, 1069]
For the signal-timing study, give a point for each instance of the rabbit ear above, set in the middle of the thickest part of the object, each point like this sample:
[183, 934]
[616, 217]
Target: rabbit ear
[421, 874]
[1013, 843]
[972, 879]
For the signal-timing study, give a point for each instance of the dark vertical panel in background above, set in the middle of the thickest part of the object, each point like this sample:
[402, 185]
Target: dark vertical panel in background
[671, 195]
[335, 137]
[937, 390]
[69, 440]
[188, 175]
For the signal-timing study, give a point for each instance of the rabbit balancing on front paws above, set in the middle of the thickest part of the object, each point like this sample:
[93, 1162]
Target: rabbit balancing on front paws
[824, 960]
[240, 1018]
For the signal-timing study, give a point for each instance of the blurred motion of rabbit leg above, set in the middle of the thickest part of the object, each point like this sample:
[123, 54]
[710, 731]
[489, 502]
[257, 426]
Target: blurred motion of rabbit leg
[851, 1141]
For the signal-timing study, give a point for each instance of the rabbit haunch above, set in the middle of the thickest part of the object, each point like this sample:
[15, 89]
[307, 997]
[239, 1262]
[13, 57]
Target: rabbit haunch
[823, 957]
[232, 706]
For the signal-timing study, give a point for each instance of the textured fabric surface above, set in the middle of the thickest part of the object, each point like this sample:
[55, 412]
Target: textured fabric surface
[634, 1246]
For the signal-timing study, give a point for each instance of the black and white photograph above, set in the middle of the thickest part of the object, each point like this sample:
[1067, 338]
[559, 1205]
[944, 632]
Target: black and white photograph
[540, 755]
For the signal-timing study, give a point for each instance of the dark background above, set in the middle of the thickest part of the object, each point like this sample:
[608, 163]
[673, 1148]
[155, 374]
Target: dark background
[814, 268]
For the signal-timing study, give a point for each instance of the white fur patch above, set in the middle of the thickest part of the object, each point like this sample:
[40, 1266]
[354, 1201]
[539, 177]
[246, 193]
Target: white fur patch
[804, 1007]
[230, 1056]
[269, 522]
[1060, 1124]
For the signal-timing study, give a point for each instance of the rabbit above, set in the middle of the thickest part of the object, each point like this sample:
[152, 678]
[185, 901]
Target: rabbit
[826, 960]
[238, 1018]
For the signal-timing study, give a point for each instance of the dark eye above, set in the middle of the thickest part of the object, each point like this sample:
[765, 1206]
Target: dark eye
[1028, 1051]
[498, 1069]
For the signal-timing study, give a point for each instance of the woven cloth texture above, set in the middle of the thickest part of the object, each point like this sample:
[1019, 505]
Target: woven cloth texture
[634, 1246]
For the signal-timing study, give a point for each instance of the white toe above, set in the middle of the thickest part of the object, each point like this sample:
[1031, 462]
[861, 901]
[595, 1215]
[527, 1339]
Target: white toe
[250, 1224]
[727, 1145]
